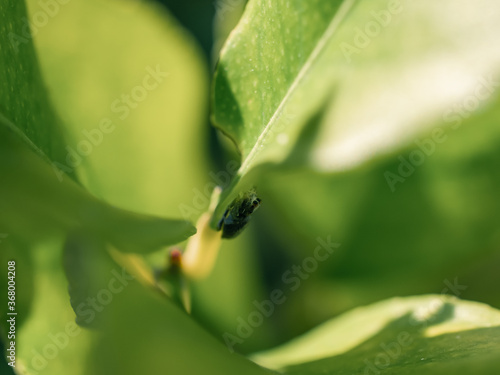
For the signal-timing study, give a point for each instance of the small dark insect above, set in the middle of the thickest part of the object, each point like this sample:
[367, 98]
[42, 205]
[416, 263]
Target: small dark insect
[238, 214]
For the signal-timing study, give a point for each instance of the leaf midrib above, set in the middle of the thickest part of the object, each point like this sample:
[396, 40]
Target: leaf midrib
[322, 42]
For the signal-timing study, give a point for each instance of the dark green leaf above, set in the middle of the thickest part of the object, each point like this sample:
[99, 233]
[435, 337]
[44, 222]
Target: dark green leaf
[24, 101]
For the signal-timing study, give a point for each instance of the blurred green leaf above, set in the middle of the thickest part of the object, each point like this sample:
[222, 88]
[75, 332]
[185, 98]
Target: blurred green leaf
[154, 335]
[50, 342]
[139, 72]
[87, 266]
[230, 292]
[443, 218]
[426, 334]
[403, 68]
[389, 69]
[34, 203]
[129, 316]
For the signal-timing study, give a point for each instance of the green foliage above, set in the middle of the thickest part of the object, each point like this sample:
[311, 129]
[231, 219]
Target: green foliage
[138, 71]
[322, 99]
[380, 95]
[175, 342]
[33, 198]
[36, 205]
[428, 335]
[349, 79]
[23, 97]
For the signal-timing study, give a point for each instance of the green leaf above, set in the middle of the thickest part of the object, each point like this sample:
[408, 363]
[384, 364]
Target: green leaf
[137, 70]
[175, 343]
[105, 296]
[24, 105]
[35, 202]
[237, 278]
[87, 264]
[414, 335]
[285, 60]
[260, 77]
[49, 342]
